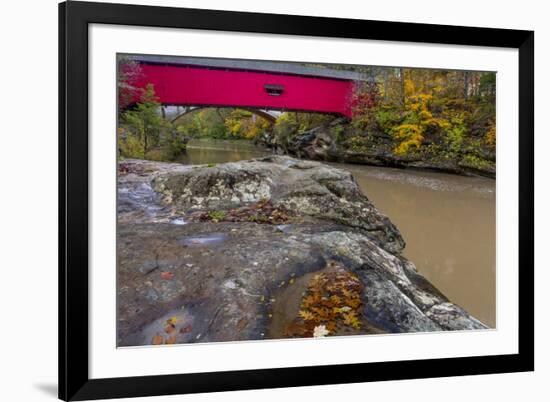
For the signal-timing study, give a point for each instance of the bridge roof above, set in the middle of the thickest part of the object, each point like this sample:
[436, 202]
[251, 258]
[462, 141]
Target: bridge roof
[289, 68]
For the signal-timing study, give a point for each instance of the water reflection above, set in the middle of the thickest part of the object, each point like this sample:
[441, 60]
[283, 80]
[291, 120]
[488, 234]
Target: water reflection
[219, 151]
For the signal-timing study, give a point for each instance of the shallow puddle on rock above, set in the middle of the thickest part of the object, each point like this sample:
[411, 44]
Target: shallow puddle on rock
[176, 326]
[178, 221]
[287, 304]
[205, 240]
[285, 228]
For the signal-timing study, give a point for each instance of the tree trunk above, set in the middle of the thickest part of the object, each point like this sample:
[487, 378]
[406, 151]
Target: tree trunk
[466, 84]
[385, 84]
[402, 76]
[220, 115]
[145, 143]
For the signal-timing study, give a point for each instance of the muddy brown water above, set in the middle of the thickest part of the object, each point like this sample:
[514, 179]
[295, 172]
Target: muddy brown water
[448, 221]
[219, 151]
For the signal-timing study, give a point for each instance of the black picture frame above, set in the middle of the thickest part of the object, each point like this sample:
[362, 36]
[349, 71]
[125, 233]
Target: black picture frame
[74, 18]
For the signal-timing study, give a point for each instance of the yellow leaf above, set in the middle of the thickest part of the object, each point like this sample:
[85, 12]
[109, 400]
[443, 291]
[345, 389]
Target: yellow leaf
[306, 315]
[351, 319]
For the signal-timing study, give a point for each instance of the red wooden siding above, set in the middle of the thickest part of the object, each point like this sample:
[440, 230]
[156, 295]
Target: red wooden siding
[195, 86]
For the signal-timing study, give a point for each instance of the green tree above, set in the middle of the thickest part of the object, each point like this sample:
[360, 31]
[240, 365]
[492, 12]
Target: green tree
[142, 125]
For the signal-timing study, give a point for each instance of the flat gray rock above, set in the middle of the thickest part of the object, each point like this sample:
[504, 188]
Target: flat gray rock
[184, 280]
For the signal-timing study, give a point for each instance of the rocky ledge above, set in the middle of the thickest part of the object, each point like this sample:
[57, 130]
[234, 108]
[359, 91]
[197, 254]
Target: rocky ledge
[262, 249]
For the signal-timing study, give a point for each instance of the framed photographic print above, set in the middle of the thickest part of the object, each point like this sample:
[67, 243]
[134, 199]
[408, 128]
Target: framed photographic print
[258, 200]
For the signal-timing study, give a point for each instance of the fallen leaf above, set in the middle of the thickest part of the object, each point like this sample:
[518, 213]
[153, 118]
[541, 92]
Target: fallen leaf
[354, 303]
[186, 329]
[306, 315]
[320, 331]
[331, 326]
[310, 300]
[351, 319]
[242, 324]
[167, 275]
[157, 340]
[347, 293]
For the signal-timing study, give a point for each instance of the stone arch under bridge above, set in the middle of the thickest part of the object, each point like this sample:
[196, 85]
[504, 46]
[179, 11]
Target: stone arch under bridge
[175, 113]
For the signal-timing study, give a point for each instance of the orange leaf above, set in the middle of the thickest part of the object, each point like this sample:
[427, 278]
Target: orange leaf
[167, 275]
[157, 340]
[331, 326]
[242, 324]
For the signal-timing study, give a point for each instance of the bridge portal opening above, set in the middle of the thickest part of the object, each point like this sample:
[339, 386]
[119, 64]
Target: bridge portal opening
[177, 113]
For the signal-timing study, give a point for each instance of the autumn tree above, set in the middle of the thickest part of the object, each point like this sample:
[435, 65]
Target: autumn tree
[142, 125]
[129, 71]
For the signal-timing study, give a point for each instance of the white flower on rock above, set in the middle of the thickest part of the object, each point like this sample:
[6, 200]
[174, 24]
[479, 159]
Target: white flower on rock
[320, 331]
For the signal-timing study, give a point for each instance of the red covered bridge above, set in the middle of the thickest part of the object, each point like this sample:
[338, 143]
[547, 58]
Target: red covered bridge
[247, 84]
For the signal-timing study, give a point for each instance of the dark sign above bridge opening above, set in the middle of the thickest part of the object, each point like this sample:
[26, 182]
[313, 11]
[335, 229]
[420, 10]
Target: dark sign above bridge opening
[274, 90]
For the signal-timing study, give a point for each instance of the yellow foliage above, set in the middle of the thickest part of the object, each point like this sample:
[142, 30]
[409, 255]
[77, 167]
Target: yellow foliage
[412, 136]
[406, 131]
[409, 87]
[404, 147]
[419, 118]
[491, 136]
[244, 125]
[425, 115]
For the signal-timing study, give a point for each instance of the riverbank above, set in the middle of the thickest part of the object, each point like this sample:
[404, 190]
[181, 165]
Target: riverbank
[339, 141]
